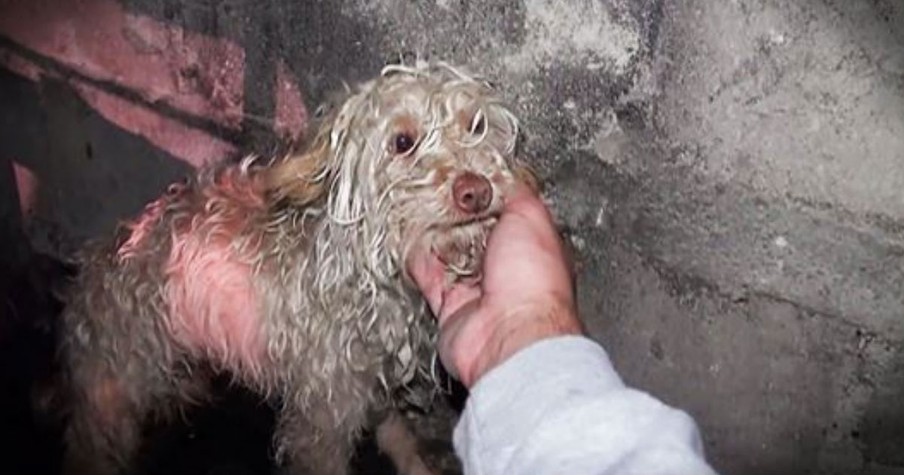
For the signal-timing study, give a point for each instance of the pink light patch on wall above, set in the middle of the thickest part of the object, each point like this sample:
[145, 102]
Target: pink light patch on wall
[27, 188]
[193, 73]
[191, 145]
[291, 114]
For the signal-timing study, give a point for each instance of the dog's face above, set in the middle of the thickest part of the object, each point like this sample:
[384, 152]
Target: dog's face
[428, 152]
[441, 145]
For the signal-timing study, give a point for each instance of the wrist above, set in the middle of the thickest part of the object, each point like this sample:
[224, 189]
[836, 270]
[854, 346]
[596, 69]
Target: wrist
[517, 329]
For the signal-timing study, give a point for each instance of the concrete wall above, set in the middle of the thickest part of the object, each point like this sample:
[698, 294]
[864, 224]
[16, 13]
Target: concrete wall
[731, 172]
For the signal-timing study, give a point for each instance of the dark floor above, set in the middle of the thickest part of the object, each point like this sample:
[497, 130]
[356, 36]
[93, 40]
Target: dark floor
[230, 437]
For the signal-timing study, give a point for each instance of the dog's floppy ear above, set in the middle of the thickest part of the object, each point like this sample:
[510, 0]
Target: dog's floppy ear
[525, 174]
[302, 177]
[305, 177]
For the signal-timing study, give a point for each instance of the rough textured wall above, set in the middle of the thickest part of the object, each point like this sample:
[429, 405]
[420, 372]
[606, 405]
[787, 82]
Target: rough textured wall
[731, 172]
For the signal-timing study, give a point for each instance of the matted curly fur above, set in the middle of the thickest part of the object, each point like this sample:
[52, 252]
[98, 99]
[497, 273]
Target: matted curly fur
[289, 274]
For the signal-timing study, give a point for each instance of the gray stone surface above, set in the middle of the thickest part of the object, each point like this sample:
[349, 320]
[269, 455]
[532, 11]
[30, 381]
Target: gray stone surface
[730, 172]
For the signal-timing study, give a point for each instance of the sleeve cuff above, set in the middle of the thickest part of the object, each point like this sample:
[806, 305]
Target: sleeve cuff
[558, 406]
[504, 406]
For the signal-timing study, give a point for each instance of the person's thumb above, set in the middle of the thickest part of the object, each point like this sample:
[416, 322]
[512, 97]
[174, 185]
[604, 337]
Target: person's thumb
[457, 331]
[427, 272]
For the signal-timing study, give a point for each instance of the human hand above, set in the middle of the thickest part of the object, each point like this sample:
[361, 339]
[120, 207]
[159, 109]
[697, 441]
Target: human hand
[525, 294]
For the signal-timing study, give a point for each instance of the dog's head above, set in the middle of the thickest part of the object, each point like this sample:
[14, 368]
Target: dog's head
[419, 154]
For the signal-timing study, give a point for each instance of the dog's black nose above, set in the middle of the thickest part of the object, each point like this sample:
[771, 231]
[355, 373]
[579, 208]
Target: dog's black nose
[472, 192]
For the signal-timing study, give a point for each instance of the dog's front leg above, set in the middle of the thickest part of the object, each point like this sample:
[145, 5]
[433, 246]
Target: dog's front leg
[399, 443]
[316, 441]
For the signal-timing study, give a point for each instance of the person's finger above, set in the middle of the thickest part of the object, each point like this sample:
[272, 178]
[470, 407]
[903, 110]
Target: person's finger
[525, 255]
[456, 297]
[427, 272]
[460, 341]
[528, 210]
[517, 193]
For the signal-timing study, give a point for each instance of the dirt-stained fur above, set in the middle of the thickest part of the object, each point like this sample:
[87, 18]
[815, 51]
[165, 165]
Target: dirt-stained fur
[288, 274]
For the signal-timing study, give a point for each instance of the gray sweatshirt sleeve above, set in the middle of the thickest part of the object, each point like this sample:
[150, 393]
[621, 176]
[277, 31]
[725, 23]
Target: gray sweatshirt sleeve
[559, 407]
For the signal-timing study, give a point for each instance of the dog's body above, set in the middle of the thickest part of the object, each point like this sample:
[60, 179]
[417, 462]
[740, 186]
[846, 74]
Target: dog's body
[289, 275]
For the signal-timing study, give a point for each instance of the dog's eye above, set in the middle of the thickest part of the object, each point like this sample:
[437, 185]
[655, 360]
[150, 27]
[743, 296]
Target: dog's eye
[403, 142]
[478, 124]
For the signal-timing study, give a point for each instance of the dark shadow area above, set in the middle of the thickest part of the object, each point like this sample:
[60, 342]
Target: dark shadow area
[230, 436]
[29, 430]
[91, 173]
[882, 426]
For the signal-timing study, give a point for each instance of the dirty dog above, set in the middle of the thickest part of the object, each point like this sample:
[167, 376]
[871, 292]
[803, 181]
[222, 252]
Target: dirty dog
[288, 274]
